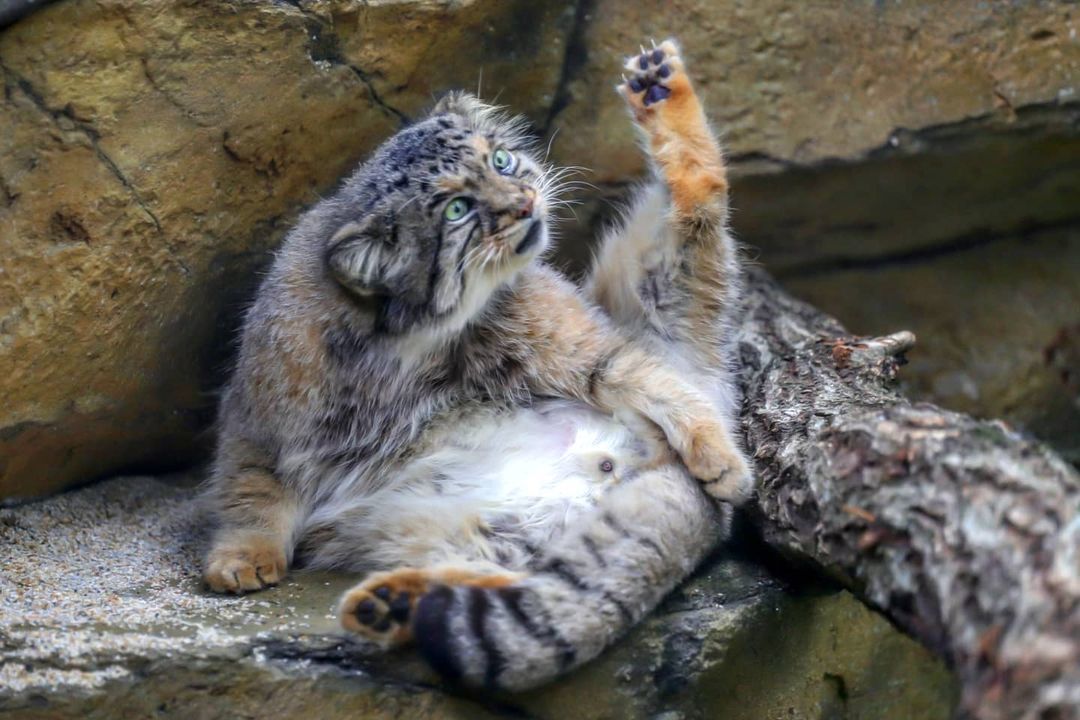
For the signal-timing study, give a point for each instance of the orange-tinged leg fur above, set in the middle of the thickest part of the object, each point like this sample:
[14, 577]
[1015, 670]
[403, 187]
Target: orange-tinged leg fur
[380, 607]
[688, 159]
[663, 101]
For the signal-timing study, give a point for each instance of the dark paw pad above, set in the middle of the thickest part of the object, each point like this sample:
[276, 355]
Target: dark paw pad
[647, 71]
[383, 609]
[400, 607]
[366, 613]
[655, 94]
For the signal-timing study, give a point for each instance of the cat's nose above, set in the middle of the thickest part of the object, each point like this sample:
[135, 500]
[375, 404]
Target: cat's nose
[525, 209]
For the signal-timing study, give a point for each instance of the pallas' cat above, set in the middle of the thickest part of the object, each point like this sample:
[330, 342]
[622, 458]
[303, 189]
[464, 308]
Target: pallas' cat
[523, 466]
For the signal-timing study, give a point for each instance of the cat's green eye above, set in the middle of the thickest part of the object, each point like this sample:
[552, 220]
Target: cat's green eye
[457, 208]
[502, 160]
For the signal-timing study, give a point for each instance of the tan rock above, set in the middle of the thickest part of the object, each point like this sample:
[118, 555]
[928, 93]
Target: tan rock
[152, 154]
[800, 83]
[150, 160]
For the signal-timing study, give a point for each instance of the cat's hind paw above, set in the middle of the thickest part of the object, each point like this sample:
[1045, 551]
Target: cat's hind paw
[380, 607]
[653, 76]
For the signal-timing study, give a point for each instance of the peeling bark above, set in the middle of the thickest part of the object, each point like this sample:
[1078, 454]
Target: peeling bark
[963, 532]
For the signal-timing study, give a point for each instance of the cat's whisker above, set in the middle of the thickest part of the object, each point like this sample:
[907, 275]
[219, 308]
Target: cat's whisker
[576, 184]
[547, 152]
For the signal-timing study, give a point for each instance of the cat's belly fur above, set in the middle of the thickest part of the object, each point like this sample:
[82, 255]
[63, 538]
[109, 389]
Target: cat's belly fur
[483, 485]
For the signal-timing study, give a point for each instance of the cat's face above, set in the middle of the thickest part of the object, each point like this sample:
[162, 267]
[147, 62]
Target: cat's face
[445, 212]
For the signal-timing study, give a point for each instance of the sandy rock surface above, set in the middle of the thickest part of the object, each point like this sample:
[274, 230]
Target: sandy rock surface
[102, 615]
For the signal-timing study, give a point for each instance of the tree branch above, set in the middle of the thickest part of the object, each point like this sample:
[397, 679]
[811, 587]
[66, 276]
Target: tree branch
[963, 532]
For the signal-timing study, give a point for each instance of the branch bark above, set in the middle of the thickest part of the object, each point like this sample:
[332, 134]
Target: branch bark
[963, 532]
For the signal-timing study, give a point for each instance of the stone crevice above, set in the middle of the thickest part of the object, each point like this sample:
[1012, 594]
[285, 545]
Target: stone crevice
[947, 246]
[323, 46]
[387, 108]
[574, 59]
[1031, 118]
[170, 97]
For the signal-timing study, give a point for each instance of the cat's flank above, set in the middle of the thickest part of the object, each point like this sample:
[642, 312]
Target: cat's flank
[511, 457]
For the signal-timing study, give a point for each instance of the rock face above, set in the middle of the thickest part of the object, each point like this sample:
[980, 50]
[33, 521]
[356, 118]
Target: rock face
[148, 164]
[968, 236]
[150, 161]
[102, 616]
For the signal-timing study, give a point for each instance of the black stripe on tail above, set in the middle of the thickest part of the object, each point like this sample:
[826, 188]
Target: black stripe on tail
[431, 627]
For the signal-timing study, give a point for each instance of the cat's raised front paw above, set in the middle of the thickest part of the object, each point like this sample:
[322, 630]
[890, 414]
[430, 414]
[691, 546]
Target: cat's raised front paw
[654, 76]
[245, 564]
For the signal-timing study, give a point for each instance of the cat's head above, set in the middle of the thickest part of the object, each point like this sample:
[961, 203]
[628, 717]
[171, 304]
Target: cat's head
[444, 213]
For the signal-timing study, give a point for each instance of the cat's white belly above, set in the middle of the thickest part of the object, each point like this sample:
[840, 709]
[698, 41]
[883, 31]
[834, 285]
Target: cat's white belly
[486, 478]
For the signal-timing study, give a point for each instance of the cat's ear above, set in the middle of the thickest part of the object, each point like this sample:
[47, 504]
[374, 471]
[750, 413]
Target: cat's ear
[360, 256]
[462, 103]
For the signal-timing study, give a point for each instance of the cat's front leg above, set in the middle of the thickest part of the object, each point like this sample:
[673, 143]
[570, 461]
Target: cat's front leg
[634, 379]
[255, 516]
[576, 353]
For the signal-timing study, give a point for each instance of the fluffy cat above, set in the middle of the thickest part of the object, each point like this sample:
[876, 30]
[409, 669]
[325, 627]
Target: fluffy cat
[417, 395]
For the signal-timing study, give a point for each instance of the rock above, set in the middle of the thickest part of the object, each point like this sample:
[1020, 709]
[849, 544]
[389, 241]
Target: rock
[102, 615]
[151, 161]
[789, 83]
[968, 236]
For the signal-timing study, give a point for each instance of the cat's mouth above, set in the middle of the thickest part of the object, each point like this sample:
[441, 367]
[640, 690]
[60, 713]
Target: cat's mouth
[531, 238]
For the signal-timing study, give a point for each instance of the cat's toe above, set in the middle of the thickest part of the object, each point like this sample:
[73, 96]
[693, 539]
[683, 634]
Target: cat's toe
[713, 458]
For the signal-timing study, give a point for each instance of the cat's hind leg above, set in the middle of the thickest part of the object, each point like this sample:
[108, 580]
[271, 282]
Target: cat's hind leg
[585, 588]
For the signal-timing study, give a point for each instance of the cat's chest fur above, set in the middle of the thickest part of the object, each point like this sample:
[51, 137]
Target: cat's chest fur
[376, 396]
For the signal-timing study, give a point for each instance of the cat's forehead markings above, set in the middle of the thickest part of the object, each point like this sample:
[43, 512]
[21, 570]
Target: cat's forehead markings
[481, 144]
[450, 184]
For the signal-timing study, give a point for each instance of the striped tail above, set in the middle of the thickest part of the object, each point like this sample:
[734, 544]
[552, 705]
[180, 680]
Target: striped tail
[589, 587]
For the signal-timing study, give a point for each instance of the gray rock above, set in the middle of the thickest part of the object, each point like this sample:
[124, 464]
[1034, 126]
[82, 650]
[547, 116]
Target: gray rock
[102, 615]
